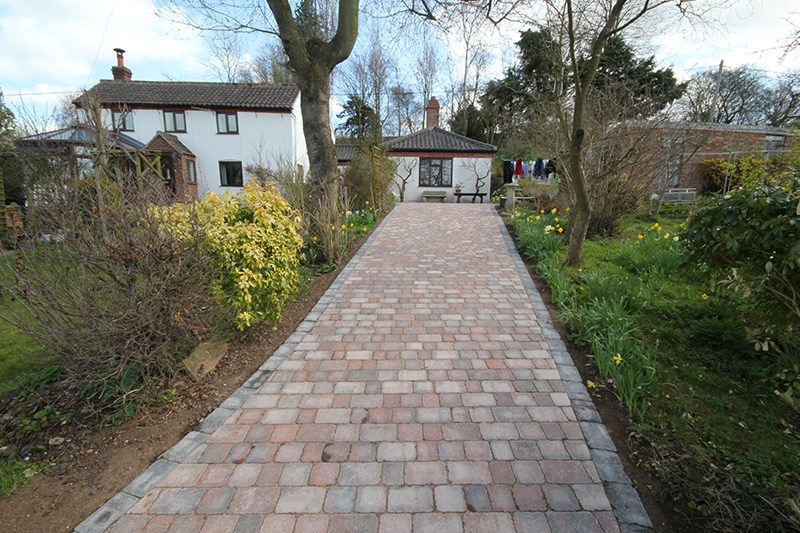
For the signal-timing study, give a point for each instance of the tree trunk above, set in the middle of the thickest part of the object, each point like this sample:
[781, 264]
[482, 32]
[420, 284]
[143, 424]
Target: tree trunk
[579, 222]
[315, 104]
[312, 62]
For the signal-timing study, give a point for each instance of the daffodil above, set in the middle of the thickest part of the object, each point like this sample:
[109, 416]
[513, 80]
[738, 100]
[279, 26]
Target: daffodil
[641, 237]
[538, 217]
[590, 384]
[704, 296]
[554, 210]
[618, 358]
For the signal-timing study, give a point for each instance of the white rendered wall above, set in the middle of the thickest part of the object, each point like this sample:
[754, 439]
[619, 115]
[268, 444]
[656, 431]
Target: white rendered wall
[273, 134]
[462, 174]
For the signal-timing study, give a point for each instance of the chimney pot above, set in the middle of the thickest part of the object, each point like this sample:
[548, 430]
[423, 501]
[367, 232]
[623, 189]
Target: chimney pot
[121, 72]
[432, 113]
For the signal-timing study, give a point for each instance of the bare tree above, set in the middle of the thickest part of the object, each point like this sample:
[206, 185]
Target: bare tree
[583, 28]
[404, 109]
[426, 71]
[402, 180]
[226, 51]
[313, 53]
[366, 76]
[271, 66]
[480, 177]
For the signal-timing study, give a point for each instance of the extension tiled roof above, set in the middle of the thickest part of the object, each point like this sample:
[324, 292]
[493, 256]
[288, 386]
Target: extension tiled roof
[436, 139]
[345, 152]
[78, 134]
[174, 142]
[193, 94]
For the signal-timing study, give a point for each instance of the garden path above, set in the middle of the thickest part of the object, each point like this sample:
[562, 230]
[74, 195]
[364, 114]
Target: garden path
[426, 391]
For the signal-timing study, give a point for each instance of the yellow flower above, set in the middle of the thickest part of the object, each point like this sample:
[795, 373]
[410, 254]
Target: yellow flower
[315, 237]
[704, 296]
[538, 217]
[590, 384]
[641, 237]
[554, 210]
[367, 202]
[568, 210]
[556, 219]
[561, 230]
[542, 211]
[343, 226]
[618, 358]
[351, 224]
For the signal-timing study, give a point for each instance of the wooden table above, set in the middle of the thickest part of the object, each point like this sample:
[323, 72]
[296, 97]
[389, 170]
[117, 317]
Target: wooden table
[458, 196]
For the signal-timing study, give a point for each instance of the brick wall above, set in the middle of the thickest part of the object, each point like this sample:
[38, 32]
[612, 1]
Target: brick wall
[184, 189]
[720, 140]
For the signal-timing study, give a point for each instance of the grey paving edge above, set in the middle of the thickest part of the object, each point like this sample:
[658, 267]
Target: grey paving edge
[109, 513]
[118, 505]
[625, 501]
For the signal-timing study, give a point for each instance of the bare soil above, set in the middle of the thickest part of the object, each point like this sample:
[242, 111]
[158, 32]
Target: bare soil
[93, 466]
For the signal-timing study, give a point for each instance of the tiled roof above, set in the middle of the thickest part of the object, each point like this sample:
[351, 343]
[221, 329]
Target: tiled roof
[78, 134]
[174, 142]
[193, 94]
[345, 152]
[438, 140]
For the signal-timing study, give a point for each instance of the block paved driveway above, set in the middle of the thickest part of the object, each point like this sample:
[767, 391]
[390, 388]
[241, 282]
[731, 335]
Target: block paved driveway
[424, 397]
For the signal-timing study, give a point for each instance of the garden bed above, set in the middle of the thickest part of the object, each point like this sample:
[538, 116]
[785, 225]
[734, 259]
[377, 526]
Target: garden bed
[706, 438]
[92, 465]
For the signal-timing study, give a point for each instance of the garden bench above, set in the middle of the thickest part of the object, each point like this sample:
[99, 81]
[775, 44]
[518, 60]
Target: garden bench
[473, 194]
[680, 196]
[434, 196]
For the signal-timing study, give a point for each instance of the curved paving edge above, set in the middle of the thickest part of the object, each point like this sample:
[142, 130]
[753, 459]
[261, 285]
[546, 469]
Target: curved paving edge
[119, 504]
[625, 501]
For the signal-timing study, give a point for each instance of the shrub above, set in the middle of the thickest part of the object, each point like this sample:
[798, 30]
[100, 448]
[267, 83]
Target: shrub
[111, 287]
[288, 179]
[750, 240]
[254, 237]
[369, 179]
[750, 170]
[538, 193]
[612, 198]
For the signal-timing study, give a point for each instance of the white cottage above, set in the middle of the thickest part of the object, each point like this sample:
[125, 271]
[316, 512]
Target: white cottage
[209, 132]
[432, 164]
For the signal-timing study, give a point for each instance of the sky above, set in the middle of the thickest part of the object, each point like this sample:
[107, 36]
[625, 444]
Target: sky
[51, 48]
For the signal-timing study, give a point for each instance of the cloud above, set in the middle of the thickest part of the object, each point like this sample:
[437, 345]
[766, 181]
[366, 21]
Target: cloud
[54, 43]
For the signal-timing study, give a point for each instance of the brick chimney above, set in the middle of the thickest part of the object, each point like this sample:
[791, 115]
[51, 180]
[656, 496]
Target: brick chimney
[121, 72]
[432, 113]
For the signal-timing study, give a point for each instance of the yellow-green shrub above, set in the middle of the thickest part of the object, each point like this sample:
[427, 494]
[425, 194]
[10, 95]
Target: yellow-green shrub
[254, 236]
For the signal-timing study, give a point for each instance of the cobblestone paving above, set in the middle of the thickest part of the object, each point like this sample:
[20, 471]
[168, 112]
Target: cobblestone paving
[424, 398]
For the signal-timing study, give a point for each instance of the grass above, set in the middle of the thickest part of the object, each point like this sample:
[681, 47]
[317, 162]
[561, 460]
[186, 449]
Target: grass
[704, 413]
[15, 473]
[20, 355]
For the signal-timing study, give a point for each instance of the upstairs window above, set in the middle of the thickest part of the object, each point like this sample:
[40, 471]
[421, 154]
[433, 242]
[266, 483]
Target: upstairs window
[436, 172]
[175, 121]
[230, 173]
[227, 123]
[123, 120]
